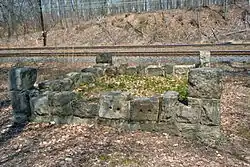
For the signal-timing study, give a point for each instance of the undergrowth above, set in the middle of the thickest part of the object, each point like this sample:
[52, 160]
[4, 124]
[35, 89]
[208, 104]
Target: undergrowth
[137, 85]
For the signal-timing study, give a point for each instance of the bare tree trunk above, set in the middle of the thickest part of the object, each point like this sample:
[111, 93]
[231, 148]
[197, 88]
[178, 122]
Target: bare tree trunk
[44, 33]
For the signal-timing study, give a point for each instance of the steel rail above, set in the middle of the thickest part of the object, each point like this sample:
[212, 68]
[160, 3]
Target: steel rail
[130, 54]
[126, 46]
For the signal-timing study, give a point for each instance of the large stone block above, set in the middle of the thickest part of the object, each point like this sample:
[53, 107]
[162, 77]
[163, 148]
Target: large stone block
[205, 58]
[111, 71]
[205, 83]
[22, 78]
[60, 103]
[40, 105]
[98, 72]
[87, 78]
[20, 102]
[63, 110]
[104, 58]
[170, 105]
[208, 108]
[188, 130]
[122, 68]
[61, 98]
[168, 69]
[131, 70]
[61, 119]
[208, 134]
[79, 78]
[20, 118]
[182, 69]
[114, 105]
[153, 70]
[144, 109]
[186, 114]
[86, 108]
[20, 105]
[141, 69]
[56, 85]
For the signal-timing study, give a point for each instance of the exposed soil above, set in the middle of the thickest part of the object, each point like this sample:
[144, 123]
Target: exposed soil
[205, 25]
[80, 145]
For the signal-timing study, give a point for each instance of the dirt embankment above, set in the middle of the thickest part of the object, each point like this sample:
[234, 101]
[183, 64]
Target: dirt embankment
[205, 25]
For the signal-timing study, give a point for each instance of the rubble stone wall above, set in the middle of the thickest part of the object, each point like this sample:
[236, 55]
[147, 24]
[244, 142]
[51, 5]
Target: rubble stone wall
[55, 101]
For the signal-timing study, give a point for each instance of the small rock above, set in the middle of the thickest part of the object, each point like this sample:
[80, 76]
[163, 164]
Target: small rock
[68, 159]
[175, 145]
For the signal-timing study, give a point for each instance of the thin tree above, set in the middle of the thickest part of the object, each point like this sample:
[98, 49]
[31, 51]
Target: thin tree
[44, 33]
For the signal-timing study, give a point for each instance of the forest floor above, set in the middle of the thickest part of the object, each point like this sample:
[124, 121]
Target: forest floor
[53, 145]
[206, 25]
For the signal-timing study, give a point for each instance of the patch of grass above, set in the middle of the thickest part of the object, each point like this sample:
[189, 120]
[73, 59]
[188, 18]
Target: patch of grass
[137, 85]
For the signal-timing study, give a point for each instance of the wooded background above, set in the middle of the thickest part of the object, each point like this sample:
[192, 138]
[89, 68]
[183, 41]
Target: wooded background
[18, 17]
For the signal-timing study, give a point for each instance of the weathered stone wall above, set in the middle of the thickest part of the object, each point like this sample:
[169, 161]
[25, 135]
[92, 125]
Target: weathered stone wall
[55, 101]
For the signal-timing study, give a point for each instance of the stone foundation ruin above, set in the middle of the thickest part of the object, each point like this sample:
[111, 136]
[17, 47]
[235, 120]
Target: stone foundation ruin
[55, 101]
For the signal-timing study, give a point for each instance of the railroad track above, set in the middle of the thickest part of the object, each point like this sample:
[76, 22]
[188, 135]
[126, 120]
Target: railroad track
[180, 50]
[128, 54]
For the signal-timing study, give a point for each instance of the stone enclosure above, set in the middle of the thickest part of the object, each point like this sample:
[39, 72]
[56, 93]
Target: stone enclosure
[55, 101]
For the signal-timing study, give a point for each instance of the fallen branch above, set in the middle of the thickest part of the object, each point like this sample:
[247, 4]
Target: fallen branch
[236, 32]
[135, 29]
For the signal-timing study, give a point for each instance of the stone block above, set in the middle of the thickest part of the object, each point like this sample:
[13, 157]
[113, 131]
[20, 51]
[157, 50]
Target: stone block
[41, 119]
[153, 70]
[170, 105]
[98, 72]
[149, 126]
[131, 70]
[20, 118]
[168, 69]
[141, 69]
[182, 69]
[22, 78]
[144, 109]
[188, 130]
[86, 78]
[114, 105]
[205, 83]
[186, 114]
[61, 119]
[40, 105]
[84, 121]
[20, 102]
[103, 66]
[208, 134]
[61, 98]
[208, 108]
[86, 108]
[205, 58]
[111, 71]
[122, 68]
[56, 85]
[115, 123]
[169, 127]
[104, 58]
[62, 111]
